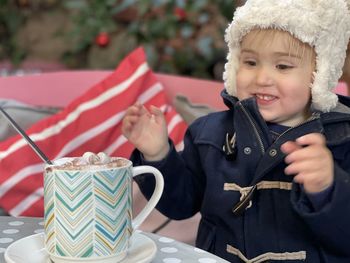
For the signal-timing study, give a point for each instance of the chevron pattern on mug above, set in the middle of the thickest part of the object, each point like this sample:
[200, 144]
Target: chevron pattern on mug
[88, 213]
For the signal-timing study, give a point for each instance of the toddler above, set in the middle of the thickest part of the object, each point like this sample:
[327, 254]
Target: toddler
[271, 175]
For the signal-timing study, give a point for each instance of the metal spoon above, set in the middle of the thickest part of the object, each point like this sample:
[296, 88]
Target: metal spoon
[26, 137]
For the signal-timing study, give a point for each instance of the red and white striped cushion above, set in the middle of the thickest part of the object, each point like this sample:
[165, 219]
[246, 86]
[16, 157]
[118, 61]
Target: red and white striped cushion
[92, 123]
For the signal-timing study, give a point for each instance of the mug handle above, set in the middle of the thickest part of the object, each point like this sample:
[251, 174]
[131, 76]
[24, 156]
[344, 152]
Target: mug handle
[138, 220]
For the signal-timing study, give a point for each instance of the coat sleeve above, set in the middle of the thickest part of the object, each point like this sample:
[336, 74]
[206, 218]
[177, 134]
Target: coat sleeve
[331, 223]
[184, 180]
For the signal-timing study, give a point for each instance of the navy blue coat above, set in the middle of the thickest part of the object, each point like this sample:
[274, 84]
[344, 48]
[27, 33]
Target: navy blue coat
[279, 223]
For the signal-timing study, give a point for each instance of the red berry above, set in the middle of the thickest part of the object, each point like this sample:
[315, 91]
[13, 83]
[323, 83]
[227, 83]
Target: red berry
[102, 39]
[180, 13]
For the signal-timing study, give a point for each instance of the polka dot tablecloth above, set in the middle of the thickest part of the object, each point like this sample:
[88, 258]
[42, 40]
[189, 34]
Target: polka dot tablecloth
[168, 250]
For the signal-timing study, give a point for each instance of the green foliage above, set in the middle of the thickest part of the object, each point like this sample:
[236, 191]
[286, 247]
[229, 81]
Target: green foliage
[180, 36]
[90, 18]
[10, 21]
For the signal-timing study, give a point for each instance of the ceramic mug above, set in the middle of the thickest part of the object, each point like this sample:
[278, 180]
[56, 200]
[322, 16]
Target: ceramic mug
[88, 211]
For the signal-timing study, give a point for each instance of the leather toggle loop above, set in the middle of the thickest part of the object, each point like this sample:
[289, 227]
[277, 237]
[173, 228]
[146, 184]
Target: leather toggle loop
[245, 202]
[230, 146]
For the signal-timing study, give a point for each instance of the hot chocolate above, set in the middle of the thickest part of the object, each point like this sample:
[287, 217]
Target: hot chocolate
[89, 161]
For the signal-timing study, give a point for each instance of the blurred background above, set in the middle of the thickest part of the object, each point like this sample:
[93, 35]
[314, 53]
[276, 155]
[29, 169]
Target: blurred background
[181, 37]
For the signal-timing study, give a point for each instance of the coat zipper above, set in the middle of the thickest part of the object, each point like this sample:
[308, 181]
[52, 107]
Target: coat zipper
[242, 205]
[314, 116]
[252, 122]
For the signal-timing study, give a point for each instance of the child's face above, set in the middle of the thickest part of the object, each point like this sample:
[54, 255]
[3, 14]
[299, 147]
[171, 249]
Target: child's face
[277, 77]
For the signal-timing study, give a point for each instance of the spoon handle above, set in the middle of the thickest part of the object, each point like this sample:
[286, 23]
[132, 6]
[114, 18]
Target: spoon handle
[26, 137]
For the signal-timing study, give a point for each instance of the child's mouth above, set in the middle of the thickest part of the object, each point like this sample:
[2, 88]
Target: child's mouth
[265, 99]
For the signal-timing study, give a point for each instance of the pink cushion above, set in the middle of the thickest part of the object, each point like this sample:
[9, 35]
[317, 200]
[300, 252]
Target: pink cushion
[91, 122]
[342, 89]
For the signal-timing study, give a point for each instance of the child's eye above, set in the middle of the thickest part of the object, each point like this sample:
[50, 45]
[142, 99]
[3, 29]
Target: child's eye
[284, 66]
[251, 63]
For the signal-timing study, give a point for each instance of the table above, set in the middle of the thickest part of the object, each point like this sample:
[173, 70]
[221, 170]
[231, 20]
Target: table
[168, 250]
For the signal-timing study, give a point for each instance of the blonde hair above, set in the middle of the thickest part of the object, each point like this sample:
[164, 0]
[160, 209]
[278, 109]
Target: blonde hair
[259, 37]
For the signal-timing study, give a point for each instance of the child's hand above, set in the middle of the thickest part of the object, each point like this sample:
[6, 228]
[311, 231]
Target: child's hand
[310, 161]
[147, 130]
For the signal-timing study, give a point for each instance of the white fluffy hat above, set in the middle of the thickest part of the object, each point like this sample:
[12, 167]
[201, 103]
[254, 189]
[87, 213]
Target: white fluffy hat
[323, 24]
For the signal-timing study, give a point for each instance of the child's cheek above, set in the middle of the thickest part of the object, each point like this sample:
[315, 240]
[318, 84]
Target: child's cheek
[242, 91]
[243, 81]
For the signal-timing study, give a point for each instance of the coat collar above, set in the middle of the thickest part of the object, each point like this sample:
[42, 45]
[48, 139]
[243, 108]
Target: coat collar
[336, 123]
[340, 113]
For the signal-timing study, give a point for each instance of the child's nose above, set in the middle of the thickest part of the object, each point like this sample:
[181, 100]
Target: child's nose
[264, 76]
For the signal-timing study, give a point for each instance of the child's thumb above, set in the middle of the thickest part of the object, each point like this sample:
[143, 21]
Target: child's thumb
[156, 111]
[158, 114]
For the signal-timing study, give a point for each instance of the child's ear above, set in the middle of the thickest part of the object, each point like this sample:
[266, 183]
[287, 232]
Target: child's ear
[312, 78]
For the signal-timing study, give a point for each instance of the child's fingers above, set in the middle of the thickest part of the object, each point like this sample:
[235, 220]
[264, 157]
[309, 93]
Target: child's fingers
[297, 167]
[310, 152]
[136, 109]
[143, 110]
[289, 147]
[132, 115]
[155, 110]
[128, 123]
[304, 147]
[131, 119]
[312, 139]
[158, 114]
[132, 110]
